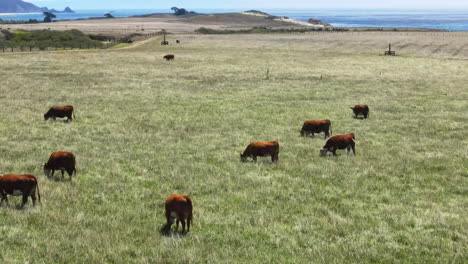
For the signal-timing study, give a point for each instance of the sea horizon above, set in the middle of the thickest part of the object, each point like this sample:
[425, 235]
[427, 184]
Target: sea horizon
[447, 19]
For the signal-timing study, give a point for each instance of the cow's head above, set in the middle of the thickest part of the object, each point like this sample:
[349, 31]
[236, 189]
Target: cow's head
[46, 116]
[323, 152]
[243, 158]
[47, 171]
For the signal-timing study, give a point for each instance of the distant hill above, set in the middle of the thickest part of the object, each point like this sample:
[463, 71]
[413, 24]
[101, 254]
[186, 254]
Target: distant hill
[19, 6]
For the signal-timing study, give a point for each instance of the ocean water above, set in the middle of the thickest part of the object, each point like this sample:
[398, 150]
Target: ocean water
[454, 20]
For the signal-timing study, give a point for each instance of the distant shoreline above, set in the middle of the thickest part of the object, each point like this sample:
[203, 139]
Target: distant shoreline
[400, 20]
[15, 14]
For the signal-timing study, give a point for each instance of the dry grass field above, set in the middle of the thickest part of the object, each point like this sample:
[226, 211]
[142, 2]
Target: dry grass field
[171, 23]
[147, 128]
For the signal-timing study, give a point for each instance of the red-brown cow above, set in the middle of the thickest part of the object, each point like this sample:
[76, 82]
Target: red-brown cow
[169, 57]
[16, 185]
[339, 142]
[261, 149]
[361, 110]
[179, 207]
[316, 126]
[63, 161]
[61, 112]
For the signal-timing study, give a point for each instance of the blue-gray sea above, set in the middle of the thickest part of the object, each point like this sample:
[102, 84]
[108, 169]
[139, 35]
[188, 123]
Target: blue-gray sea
[437, 19]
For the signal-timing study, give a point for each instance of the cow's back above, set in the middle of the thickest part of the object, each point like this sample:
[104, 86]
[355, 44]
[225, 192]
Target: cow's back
[61, 159]
[9, 183]
[179, 204]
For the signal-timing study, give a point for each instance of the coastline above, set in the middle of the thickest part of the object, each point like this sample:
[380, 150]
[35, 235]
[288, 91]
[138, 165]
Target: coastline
[223, 20]
[15, 14]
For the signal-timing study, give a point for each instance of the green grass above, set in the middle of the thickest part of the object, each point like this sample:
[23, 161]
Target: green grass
[147, 128]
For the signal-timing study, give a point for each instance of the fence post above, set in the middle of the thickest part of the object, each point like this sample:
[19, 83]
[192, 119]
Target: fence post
[11, 49]
[30, 48]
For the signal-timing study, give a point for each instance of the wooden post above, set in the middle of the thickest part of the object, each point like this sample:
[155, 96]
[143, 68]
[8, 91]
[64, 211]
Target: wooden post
[389, 48]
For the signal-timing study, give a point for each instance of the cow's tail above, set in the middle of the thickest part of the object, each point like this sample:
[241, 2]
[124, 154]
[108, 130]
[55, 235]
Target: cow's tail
[74, 167]
[189, 203]
[73, 113]
[38, 193]
[331, 132]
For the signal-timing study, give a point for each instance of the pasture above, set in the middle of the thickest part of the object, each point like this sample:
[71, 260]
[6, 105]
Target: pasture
[146, 128]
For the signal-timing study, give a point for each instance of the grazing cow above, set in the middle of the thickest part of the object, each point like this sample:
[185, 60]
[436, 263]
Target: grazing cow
[60, 111]
[177, 41]
[63, 161]
[361, 110]
[16, 185]
[339, 142]
[169, 57]
[316, 126]
[261, 149]
[179, 207]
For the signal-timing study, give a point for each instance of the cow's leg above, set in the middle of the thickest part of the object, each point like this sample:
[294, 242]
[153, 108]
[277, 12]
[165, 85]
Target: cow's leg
[25, 200]
[189, 221]
[183, 225]
[53, 118]
[254, 158]
[352, 147]
[177, 224]
[52, 173]
[274, 158]
[62, 173]
[313, 135]
[170, 221]
[4, 198]
[70, 173]
[33, 198]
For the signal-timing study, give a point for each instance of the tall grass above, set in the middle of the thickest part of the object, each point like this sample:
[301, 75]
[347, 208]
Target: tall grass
[147, 128]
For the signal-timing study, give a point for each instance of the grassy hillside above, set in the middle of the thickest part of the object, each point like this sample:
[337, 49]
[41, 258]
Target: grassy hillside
[147, 128]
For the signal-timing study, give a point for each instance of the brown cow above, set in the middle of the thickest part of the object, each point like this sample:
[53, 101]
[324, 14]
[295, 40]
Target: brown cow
[316, 126]
[63, 161]
[177, 41]
[339, 142]
[178, 207]
[16, 185]
[60, 111]
[169, 57]
[361, 110]
[261, 149]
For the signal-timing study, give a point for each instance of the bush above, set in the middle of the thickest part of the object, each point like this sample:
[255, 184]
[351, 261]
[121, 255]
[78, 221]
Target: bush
[45, 38]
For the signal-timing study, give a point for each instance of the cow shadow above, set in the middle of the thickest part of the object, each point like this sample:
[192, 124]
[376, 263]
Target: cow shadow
[59, 179]
[166, 231]
[60, 120]
[359, 117]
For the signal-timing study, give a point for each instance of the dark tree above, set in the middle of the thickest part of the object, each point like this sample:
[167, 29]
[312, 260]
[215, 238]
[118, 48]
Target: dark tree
[109, 15]
[48, 16]
[179, 11]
